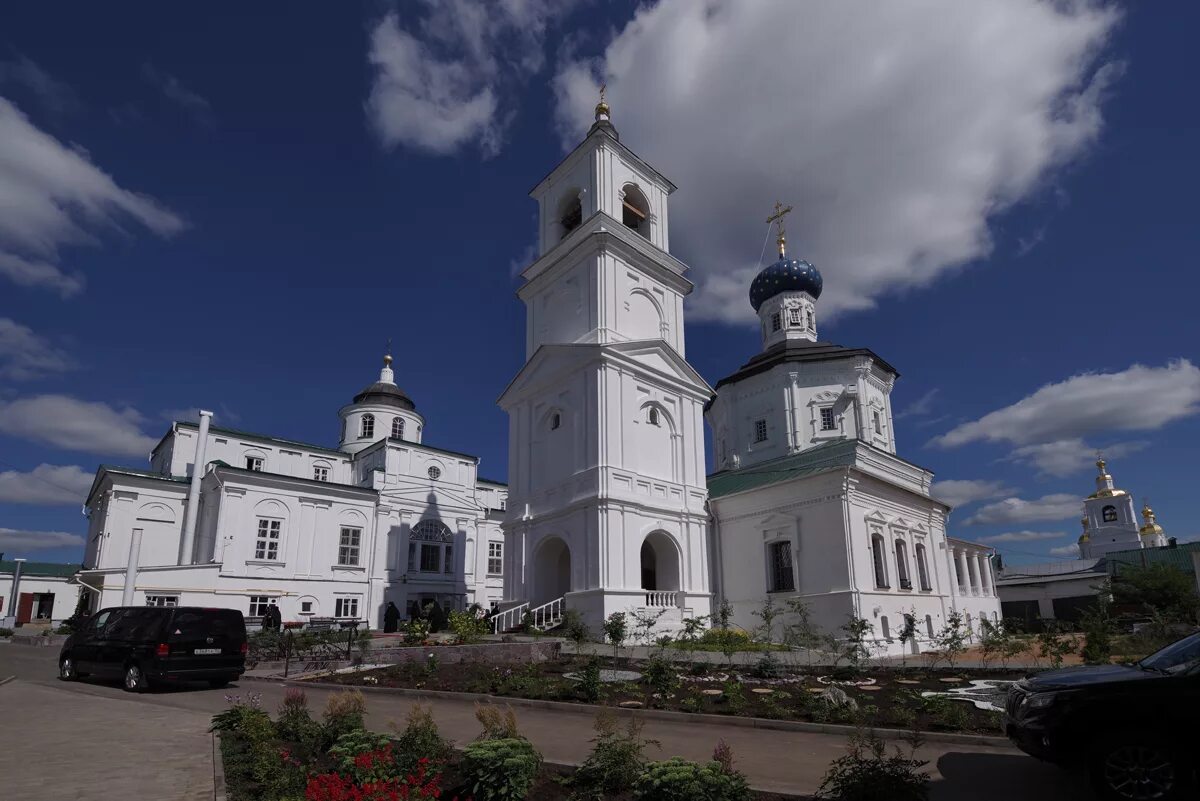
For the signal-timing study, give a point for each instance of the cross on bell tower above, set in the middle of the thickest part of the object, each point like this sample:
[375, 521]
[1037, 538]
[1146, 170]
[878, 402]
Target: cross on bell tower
[781, 211]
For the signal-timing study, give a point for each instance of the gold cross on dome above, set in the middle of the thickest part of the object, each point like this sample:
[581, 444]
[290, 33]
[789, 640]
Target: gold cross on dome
[781, 211]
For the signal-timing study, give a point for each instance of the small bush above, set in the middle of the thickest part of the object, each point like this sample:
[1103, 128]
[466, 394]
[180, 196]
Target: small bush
[365, 756]
[768, 667]
[575, 629]
[498, 723]
[344, 713]
[500, 769]
[466, 627]
[416, 630]
[421, 740]
[734, 695]
[295, 724]
[616, 761]
[6, 632]
[677, 779]
[661, 677]
[723, 638]
[868, 774]
[589, 681]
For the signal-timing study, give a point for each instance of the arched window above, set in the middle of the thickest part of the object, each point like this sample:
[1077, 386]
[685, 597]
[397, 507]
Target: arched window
[635, 211]
[929, 626]
[571, 214]
[922, 568]
[902, 564]
[430, 548]
[1109, 514]
[887, 631]
[652, 416]
[555, 421]
[811, 325]
[398, 428]
[367, 429]
[880, 562]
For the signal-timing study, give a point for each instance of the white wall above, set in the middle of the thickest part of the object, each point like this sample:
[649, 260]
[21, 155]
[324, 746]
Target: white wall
[66, 596]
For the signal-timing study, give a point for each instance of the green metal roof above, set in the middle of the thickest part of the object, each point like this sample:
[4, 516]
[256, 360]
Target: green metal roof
[41, 569]
[826, 456]
[1179, 557]
[234, 432]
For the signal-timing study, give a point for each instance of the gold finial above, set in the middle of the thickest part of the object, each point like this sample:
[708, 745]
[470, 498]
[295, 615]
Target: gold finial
[602, 107]
[1147, 512]
[781, 211]
[1100, 463]
[387, 356]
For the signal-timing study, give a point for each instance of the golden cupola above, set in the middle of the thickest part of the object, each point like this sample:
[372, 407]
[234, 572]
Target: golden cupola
[1150, 528]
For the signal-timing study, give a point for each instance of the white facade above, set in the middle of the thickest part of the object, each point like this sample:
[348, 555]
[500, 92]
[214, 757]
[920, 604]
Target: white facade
[319, 532]
[606, 441]
[44, 594]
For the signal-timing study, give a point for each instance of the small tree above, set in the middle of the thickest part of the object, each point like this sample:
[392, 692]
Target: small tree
[767, 613]
[1098, 630]
[802, 632]
[1157, 588]
[951, 641]
[615, 631]
[723, 615]
[644, 622]
[907, 634]
[1052, 645]
[992, 639]
[575, 629]
[693, 627]
[854, 647]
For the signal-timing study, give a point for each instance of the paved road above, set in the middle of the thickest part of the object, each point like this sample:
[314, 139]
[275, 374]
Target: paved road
[88, 740]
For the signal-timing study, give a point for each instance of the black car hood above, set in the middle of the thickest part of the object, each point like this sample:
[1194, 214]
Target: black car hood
[1085, 675]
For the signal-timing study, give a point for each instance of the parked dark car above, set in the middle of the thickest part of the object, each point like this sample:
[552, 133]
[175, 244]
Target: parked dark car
[1132, 726]
[144, 645]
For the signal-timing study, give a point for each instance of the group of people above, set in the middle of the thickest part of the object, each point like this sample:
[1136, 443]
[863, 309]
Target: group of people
[272, 620]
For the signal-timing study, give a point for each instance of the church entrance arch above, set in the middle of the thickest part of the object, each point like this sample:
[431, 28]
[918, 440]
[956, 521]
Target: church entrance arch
[551, 570]
[660, 563]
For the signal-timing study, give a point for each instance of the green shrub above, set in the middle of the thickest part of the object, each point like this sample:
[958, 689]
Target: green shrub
[616, 761]
[677, 779]
[344, 713]
[734, 695]
[768, 667]
[722, 638]
[589, 681]
[466, 627]
[416, 630]
[349, 749]
[498, 723]
[294, 723]
[501, 769]
[420, 739]
[6, 632]
[868, 774]
[575, 629]
[660, 676]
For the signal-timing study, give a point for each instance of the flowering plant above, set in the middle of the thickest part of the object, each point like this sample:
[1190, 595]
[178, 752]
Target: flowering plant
[417, 786]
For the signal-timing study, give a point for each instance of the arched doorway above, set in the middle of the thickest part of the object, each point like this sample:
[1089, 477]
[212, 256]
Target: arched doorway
[551, 570]
[660, 563]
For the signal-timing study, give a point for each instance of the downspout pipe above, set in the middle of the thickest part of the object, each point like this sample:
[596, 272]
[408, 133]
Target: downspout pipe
[193, 498]
[131, 567]
[14, 597]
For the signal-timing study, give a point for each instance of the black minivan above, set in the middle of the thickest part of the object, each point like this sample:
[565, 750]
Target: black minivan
[143, 645]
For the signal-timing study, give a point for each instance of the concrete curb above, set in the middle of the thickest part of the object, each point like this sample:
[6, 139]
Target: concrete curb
[218, 768]
[661, 714]
[6, 680]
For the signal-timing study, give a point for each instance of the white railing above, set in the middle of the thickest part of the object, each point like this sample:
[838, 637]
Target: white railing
[509, 618]
[662, 599]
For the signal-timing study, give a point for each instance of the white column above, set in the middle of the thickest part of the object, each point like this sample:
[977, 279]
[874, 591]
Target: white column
[131, 567]
[985, 574]
[973, 573]
[193, 498]
[963, 578]
[14, 597]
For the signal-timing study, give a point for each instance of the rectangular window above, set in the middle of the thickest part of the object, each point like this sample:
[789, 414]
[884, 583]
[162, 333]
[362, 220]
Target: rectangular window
[877, 555]
[162, 600]
[922, 570]
[828, 422]
[254, 463]
[348, 546]
[878, 423]
[760, 430]
[259, 604]
[306, 607]
[448, 560]
[902, 565]
[412, 557]
[776, 323]
[495, 566]
[794, 317]
[320, 473]
[345, 607]
[430, 558]
[782, 578]
[267, 546]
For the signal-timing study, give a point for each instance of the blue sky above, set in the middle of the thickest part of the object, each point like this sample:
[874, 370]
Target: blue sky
[237, 213]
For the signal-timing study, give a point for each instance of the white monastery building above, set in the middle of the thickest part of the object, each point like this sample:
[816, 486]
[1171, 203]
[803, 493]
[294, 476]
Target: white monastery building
[1109, 523]
[608, 508]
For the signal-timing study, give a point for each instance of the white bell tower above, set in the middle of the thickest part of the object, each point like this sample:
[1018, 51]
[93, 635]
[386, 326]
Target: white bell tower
[606, 443]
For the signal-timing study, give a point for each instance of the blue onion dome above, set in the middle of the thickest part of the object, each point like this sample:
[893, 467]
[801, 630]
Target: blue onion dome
[785, 275]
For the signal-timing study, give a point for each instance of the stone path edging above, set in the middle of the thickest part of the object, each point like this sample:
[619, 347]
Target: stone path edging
[218, 768]
[662, 714]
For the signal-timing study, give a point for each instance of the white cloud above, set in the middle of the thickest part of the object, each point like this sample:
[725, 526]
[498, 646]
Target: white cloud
[55, 95]
[1024, 536]
[920, 407]
[1066, 550]
[25, 355]
[1059, 506]
[77, 425]
[51, 196]
[896, 130]
[439, 81]
[46, 485]
[1066, 456]
[12, 539]
[959, 492]
[177, 93]
[1137, 399]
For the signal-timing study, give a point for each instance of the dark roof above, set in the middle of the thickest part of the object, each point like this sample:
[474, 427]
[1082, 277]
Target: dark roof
[785, 275]
[387, 394]
[826, 456]
[482, 480]
[234, 432]
[799, 351]
[1179, 557]
[52, 569]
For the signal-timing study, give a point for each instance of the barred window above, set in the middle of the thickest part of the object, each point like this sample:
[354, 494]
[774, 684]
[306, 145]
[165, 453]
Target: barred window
[828, 421]
[266, 547]
[320, 473]
[760, 430]
[782, 577]
[776, 322]
[348, 546]
[794, 317]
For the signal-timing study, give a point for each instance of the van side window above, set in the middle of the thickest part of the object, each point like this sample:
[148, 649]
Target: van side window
[99, 620]
[136, 624]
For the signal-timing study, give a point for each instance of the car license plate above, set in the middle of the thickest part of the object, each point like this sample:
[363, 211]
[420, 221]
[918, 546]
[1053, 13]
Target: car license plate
[207, 651]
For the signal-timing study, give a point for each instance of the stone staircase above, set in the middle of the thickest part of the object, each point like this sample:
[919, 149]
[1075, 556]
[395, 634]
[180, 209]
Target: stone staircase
[548, 616]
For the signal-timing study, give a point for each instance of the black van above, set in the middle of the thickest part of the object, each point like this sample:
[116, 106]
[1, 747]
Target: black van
[143, 645]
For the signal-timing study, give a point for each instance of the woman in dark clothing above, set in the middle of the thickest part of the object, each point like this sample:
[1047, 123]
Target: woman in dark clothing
[391, 618]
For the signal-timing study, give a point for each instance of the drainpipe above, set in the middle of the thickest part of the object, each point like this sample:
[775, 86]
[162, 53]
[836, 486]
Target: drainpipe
[193, 499]
[14, 598]
[131, 567]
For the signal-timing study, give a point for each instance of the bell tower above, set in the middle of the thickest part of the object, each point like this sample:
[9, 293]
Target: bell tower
[606, 443]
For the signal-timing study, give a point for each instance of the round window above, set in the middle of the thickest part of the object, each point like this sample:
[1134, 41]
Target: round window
[435, 473]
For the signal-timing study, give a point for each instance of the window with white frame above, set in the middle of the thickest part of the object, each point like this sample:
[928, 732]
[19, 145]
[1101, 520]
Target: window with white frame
[306, 607]
[828, 421]
[902, 565]
[878, 422]
[397, 428]
[367, 427]
[430, 547]
[879, 560]
[259, 605]
[266, 546]
[254, 463]
[348, 546]
[495, 564]
[922, 567]
[760, 430]
[782, 577]
[162, 600]
[794, 317]
[346, 607]
[320, 473]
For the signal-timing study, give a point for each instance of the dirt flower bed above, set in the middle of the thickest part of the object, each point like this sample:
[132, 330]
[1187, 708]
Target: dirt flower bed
[882, 698]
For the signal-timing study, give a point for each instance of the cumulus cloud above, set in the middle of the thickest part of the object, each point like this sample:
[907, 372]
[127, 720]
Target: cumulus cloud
[1024, 536]
[53, 94]
[1059, 506]
[896, 130]
[12, 539]
[920, 407]
[1066, 456]
[1065, 550]
[51, 196]
[174, 91]
[25, 355]
[959, 492]
[439, 79]
[77, 425]
[46, 485]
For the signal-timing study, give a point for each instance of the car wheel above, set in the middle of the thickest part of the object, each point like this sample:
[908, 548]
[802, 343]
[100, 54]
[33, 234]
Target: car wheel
[66, 669]
[135, 680]
[1138, 769]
